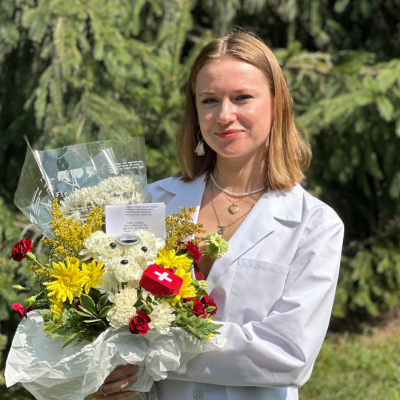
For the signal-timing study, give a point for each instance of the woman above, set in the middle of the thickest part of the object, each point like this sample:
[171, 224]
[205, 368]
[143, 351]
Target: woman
[275, 286]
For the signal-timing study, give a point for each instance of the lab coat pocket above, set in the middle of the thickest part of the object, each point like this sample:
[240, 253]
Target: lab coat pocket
[256, 288]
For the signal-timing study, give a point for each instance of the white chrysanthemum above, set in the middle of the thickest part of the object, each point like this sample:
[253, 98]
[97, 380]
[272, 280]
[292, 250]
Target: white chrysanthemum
[124, 270]
[97, 246]
[109, 283]
[124, 309]
[162, 317]
[133, 284]
[147, 239]
[111, 191]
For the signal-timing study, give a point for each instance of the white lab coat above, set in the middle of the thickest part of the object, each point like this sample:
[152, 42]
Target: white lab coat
[274, 289]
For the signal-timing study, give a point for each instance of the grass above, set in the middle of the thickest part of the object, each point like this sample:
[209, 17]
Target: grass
[357, 367]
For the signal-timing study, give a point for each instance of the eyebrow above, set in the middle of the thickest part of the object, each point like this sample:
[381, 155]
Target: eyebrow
[212, 92]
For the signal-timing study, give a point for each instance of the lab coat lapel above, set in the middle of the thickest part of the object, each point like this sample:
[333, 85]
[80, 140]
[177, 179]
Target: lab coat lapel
[256, 226]
[187, 195]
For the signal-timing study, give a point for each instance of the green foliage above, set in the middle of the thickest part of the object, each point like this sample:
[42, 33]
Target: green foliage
[358, 368]
[356, 107]
[198, 326]
[83, 322]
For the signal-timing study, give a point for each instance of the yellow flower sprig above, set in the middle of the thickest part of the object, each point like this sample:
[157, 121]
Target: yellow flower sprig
[68, 233]
[180, 226]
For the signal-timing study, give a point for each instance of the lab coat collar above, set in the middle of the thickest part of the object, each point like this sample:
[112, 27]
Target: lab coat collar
[285, 205]
[282, 205]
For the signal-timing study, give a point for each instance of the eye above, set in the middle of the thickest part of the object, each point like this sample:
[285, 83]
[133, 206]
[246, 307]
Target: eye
[144, 249]
[113, 245]
[244, 97]
[124, 262]
[209, 101]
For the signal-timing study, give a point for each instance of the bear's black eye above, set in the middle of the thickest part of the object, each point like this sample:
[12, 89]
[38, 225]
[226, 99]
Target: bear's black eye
[124, 262]
[113, 245]
[144, 249]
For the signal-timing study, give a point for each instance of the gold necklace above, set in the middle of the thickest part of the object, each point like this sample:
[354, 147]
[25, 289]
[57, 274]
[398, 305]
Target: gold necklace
[222, 227]
[234, 208]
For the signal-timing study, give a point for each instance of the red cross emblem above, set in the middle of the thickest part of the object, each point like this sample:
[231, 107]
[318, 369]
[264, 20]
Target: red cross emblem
[161, 281]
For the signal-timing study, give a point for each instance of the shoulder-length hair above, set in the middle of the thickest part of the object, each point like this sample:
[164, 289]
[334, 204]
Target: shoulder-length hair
[287, 154]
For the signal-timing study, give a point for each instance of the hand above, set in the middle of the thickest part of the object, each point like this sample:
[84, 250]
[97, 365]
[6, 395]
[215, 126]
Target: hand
[119, 379]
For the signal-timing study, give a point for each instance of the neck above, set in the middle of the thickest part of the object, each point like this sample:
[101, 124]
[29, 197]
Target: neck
[238, 176]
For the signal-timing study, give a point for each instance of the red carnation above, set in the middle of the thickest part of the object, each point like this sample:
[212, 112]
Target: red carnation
[208, 301]
[21, 310]
[21, 248]
[139, 324]
[186, 299]
[198, 309]
[193, 251]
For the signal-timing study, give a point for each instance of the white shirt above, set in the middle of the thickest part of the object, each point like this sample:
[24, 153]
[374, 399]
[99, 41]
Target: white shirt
[274, 289]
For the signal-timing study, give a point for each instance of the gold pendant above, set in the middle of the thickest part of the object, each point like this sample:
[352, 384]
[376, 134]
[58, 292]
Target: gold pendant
[221, 229]
[234, 208]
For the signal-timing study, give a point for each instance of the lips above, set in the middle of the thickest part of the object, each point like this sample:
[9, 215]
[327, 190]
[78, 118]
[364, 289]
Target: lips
[228, 134]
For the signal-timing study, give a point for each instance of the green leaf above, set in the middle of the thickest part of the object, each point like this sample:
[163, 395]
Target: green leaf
[70, 339]
[19, 287]
[87, 311]
[91, 321]
[385, 107]
[102, 302]
[105, 311]
[211, 308]
[83, 314]
[102, 326]
[88, 303]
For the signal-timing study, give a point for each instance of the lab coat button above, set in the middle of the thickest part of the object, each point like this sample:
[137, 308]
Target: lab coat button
[198, 395]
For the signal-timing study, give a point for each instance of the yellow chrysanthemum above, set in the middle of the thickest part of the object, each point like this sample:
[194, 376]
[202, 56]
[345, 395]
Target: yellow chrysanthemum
[187, 289]
[69, 280]
[168, 259]
[56, 306]
[94, 272]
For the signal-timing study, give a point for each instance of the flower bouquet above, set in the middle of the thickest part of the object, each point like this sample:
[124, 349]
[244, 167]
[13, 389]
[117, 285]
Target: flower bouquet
[110, 300]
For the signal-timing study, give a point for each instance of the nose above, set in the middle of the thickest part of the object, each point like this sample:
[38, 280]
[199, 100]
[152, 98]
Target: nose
[226, 112]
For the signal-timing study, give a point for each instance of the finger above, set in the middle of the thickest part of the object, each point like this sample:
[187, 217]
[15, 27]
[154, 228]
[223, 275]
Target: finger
[115, 386]
[121, 372]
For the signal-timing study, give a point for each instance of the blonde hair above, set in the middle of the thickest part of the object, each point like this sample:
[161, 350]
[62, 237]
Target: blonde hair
[287, 155]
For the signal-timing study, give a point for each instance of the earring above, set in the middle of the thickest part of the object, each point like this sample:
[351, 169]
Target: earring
[199, 150]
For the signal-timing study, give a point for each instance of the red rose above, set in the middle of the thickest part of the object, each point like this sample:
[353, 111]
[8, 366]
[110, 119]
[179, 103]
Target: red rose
[139, 324]
[208, 301]
[21, 248]
[193, 251]
[198, 309]
[20, 309]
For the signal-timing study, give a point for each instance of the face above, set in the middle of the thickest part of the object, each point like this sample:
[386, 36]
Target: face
[235, 108]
